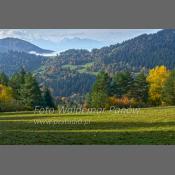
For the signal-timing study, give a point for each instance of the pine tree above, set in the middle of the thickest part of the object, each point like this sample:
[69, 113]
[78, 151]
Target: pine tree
[140, 88]
[16, 82]
[4, 80]
[48, 99]
[122, 83]
[30, 93]
[100, 91]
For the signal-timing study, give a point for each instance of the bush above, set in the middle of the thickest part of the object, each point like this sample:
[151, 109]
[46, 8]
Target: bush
[120, 102]
[11, 106]
[125, 102]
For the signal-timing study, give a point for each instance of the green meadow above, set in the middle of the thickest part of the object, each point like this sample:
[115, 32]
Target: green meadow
[146, 126]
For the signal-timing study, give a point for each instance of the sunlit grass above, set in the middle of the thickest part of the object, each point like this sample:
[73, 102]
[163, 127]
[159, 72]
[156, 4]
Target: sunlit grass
[148, 126]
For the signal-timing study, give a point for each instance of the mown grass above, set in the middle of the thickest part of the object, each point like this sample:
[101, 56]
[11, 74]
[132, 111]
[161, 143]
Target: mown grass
[148, 126]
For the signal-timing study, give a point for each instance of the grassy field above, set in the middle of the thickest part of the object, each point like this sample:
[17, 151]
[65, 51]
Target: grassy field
[147, 126]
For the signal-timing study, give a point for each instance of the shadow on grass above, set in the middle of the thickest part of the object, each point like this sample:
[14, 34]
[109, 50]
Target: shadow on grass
[22, 125]
[23, 118]
[15, 113]
[93, 138]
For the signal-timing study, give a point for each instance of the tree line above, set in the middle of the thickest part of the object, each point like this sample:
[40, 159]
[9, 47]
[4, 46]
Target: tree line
[21, 91]
[125, 89]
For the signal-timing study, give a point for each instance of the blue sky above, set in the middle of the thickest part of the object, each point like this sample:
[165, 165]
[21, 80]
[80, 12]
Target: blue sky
[48, 38]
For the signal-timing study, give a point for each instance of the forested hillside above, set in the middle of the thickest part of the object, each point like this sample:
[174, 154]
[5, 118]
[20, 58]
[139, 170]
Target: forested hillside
[74, 71]
[145, 51]
[139, 54]
[12, 61]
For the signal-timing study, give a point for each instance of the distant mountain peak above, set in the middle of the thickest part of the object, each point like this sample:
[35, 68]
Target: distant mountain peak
[16, 44]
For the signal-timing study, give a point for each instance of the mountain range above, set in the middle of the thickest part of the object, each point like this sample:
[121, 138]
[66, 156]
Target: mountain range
[70, 43]
[79, 43]
[74, 70]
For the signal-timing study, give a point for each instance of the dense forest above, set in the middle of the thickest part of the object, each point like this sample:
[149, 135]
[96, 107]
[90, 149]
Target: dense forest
[139, 54]
[74, 71]
[12, 61]
[125, 89]
[22, 92]
[66, 82]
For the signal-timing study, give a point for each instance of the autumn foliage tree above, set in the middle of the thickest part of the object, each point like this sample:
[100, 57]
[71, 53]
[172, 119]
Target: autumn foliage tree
[156, 79]
[6, 97]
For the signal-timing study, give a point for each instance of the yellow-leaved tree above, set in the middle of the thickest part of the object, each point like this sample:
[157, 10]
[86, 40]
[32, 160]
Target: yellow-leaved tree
[156, 79]
[6, 97]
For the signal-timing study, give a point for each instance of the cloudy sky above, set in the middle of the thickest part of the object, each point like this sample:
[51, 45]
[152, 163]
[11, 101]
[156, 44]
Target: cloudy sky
[48, 38]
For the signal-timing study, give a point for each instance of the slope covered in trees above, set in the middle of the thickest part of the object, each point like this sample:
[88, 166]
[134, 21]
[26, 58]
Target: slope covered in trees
[145, 51]
[11, 62]
[75, 70]
[138, 54]
[142, 52]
